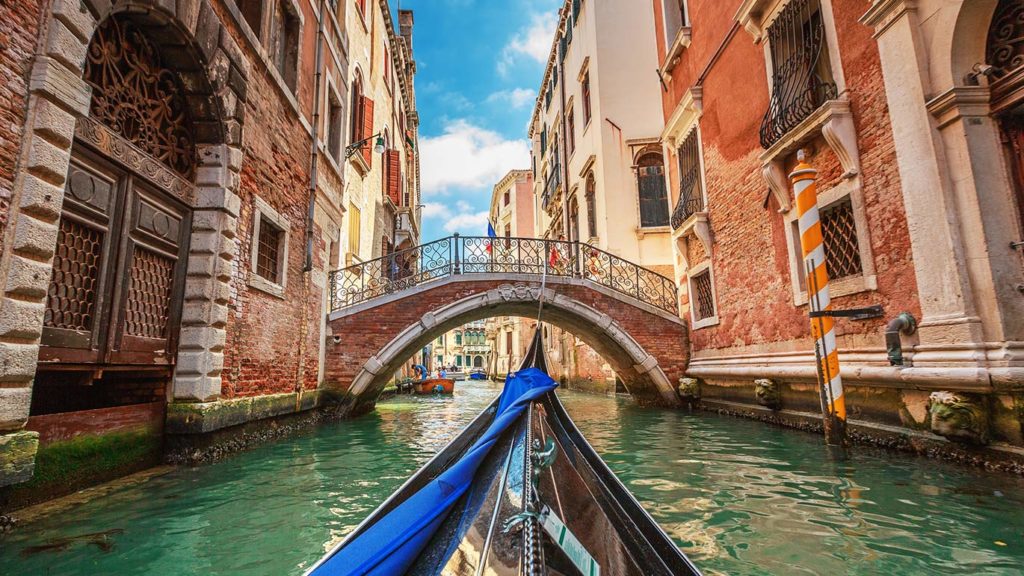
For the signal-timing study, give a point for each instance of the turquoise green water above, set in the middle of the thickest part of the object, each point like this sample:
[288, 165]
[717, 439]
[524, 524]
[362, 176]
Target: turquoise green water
[739, 497]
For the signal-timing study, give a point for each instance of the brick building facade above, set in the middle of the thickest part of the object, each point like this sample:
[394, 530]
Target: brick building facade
[172, 178]
[918, 208]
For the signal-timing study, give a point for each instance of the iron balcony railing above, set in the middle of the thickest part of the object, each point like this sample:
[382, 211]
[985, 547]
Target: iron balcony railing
[460, 255]
[690, 202]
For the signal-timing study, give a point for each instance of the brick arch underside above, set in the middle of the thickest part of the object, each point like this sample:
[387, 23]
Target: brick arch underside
[647, 351]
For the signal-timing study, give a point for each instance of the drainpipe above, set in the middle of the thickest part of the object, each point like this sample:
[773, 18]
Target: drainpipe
[905, 323]
[314, 159]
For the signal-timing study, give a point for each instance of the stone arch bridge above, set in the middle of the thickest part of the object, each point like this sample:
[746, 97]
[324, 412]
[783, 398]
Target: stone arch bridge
[384, 310]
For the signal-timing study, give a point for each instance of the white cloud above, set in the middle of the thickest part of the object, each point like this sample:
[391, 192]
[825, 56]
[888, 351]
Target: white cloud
[435, 210]
[516, 98]
[469, 224]
[467, 156]
[532, 41]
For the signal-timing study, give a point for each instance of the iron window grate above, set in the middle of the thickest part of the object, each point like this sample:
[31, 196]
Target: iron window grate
[703, 298]
[269, 251]
[839, 232]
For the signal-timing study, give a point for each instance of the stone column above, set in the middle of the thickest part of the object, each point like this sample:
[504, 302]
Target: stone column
[57, 96]
[944, 288]
[212, 249]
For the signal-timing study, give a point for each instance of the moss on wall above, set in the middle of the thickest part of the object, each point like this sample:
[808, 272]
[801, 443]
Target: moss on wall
[66, 466]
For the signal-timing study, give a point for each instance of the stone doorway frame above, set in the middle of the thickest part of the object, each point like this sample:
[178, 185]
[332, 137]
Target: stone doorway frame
[58, 97]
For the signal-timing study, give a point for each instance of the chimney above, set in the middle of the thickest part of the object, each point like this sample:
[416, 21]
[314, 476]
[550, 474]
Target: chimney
[405, 22]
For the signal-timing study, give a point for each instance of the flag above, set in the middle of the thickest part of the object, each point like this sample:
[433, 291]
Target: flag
[490, 234]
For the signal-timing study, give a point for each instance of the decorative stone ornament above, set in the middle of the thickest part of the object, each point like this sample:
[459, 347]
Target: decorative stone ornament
[689, 389]
[959, 417]
[768, 394]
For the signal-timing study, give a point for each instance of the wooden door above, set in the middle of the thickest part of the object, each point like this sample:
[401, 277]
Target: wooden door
[118, 274]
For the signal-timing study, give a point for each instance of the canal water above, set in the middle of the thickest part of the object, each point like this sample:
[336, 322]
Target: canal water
[739, 497]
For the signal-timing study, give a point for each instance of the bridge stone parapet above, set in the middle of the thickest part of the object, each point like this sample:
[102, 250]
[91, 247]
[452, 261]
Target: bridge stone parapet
[647, 346]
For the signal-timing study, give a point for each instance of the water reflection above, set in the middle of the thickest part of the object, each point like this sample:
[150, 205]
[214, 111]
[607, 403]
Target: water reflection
[740, 497]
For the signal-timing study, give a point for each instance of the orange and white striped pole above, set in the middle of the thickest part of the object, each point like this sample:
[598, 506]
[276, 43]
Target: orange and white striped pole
[833, 405]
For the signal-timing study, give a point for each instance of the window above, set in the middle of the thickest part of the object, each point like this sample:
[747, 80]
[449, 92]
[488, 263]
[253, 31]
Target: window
[675, 19]
[356, 124]
[334, 126]
[845, 242]
[591, 205]
[576, 10]
[508, 343]
[458, 338]
[284, 41]
[269, 258]
[268, 252]
[252, 12]
[839, 235]
[543, 140]
[691, 188]
[354, 230]
[506, 198]
[653, 196]
[571, 131]
[801, 71]
[585, 85]
[458, 361]
[574, 219]
[702, 297]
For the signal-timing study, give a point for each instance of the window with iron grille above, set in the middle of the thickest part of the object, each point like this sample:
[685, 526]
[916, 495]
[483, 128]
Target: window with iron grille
[268, 255]
[801, 72]
[691, 188]
[702, 298]
[839, 233]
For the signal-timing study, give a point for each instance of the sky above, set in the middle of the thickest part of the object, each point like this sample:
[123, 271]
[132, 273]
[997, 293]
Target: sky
[479, 64]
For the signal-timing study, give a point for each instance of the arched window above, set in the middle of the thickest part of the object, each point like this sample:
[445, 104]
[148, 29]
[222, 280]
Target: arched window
[651, 185]
[574, 219]
[356, 125]
[591, 205]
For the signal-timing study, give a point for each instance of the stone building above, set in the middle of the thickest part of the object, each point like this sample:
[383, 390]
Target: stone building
[382, 185]
[908, 112]
[170, 190]
[512, 215]
[598, 165]
[463, 348]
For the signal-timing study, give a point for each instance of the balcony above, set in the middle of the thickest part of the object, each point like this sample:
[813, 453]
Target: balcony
[551, 185]
[690, 202]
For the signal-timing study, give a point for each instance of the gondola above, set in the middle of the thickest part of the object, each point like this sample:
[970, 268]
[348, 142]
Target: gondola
[478, 374]
[519, 492]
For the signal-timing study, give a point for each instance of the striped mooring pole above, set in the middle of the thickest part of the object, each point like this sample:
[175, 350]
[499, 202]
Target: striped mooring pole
[833, 405]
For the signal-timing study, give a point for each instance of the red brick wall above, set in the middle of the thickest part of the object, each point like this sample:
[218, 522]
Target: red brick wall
[19, 29]
[272, 343]
[364, 334]
[750, 256]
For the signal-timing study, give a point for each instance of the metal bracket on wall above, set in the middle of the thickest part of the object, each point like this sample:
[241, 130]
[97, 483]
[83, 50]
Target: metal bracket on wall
[853, 313]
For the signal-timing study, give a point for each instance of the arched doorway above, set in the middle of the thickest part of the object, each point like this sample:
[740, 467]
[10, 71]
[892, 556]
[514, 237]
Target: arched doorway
[116, 291]
[478, 362]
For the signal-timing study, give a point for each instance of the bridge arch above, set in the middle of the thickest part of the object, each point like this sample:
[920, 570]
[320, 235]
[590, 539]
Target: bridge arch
[646, 347]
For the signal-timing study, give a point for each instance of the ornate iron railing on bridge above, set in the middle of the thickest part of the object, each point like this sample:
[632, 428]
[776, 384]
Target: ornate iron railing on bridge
[457, 255]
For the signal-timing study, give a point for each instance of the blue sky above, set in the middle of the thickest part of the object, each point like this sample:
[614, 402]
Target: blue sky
[479, 66]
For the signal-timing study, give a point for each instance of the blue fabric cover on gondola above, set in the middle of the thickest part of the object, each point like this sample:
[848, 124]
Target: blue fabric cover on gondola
[391, 545]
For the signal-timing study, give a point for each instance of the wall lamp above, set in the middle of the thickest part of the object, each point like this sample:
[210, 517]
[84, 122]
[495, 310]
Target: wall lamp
[354, 147]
